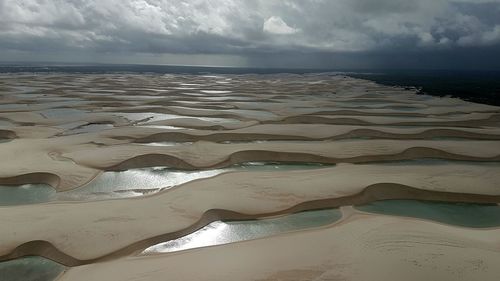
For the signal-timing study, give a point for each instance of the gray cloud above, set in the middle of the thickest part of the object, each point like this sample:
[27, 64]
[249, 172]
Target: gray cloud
[250, 29]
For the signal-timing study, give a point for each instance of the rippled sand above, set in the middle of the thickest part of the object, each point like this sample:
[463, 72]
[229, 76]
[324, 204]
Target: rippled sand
[205, 178]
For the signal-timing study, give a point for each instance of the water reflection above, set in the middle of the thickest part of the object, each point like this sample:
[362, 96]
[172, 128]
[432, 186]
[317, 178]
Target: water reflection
[142, 181]
[131, 183]
[134, 182]
[145, 117]
[148, 119]
[164, 127]
[219, 232]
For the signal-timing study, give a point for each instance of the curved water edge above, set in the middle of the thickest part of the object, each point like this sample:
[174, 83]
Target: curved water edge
[149, 118]
[457, 214]
[382, 191]
[131, 183]
[225, 232]
[30, 268]
[147, 181]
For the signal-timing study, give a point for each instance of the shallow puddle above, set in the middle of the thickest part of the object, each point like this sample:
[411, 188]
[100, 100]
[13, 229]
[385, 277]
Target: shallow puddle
[25, 194]
[149, 118]
[31, 268]
[220, 232]
[164, 127]
[132, 183]
[145, 117]
[139, 182]
[460, 214]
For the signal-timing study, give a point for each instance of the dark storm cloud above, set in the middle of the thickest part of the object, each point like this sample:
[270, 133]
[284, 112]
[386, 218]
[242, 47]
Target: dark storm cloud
[314, 32]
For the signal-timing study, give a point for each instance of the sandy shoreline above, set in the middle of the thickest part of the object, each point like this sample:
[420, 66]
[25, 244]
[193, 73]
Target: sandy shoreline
[363, 248]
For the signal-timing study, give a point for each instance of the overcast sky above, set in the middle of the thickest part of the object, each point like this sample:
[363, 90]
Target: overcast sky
[267, 33]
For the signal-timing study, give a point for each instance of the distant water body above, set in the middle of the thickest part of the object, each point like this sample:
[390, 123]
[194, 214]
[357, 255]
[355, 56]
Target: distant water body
[476, 86]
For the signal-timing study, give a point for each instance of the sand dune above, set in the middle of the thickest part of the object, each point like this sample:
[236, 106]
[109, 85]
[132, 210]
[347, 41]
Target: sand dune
[369, 143]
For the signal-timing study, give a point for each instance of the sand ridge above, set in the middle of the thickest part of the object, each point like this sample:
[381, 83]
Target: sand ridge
[376, 142]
